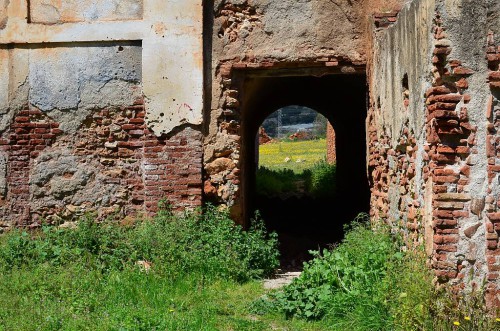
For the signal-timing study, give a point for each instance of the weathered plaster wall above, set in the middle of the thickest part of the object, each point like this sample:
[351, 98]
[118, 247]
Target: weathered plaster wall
[171, 41]
[57, 11]
[92, 111]
[68, 83]
[289, 29]
[399, 77]
[432, 136]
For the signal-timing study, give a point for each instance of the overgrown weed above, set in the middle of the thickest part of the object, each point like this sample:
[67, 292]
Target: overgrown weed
[89, 278]
[368, 282]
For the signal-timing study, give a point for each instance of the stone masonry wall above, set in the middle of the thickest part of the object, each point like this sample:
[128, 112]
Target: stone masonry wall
[78, 109]
[113, 166]
[331, 152]
[432, 136]
[257, 35]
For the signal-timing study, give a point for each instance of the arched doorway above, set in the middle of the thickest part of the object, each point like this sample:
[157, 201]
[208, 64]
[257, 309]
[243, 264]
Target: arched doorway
[305, 223]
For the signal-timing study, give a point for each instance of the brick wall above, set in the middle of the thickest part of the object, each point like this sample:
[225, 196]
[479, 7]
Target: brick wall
[492, 200]
[113, 165]
[331, 152]
[433, 159]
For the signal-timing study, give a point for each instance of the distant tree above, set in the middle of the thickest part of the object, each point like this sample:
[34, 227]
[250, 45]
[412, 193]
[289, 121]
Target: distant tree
[319, 128]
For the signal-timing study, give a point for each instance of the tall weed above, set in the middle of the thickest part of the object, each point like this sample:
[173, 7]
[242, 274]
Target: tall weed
[343, 284]
[368, 283]
[205, 241]
[321, 179]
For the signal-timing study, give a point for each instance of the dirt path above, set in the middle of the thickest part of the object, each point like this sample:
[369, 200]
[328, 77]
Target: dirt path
[281, 279]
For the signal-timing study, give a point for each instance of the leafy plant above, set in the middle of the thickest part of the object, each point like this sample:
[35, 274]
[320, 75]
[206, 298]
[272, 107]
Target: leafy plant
[207, 241]
[321, 179]
[342, 284]
[368, 283]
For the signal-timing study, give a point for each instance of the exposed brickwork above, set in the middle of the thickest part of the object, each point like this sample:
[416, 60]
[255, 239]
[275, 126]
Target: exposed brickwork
[331, 150]
[450, 141]
[122, 163]
[30, 134]
[222, 158]
[237, 21]
[492, 201]
[400, 176]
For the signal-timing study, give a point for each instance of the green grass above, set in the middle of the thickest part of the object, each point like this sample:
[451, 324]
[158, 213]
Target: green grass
[73, 298]
[302, 155]
[206, 274]
[205, 270]
[280, 174]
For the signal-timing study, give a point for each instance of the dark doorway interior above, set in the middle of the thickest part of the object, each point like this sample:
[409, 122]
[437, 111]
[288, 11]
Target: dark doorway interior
[303, 224]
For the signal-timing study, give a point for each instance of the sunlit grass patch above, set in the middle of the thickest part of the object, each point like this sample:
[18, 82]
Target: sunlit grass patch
[295, 155]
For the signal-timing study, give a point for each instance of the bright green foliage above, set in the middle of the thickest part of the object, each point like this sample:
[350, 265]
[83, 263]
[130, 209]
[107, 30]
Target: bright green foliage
[207, 241]
[88, 278]
[343, 284]
[321, 180]
[368, 283]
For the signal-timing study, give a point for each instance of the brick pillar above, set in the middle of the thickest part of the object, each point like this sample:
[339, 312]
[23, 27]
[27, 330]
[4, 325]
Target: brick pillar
[331, 152]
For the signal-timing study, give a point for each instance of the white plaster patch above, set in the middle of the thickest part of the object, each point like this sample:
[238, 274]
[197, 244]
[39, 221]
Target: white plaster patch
[4, 80]
[13, 83]
[65, 11]
[83, 77]
[172, 43]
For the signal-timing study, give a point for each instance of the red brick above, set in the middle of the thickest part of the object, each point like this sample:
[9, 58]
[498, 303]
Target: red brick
[463, 150]
[494, 75]
[442, 214]
[445, 179]
[442, 51]
[136, 132]
[56, 131]
[136, 121]
[491, 244]
[437, 90]
[129, 126]
[445, 248]
[445, 239]
[494, 217]
[445, 149]
[446, 98]
[462, 83]
[462, 71]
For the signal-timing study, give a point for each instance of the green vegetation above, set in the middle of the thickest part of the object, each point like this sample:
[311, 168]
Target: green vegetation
[171, 273]
[294, 155]
[279, 173]
[318, 181]
[321, 179]
[204, 274]
[368, 283]
[277, 182]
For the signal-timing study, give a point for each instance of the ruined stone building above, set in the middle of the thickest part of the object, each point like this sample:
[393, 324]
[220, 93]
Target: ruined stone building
[114, 105]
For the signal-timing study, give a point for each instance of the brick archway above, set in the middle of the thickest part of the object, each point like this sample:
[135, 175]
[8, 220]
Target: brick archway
[249, 96]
